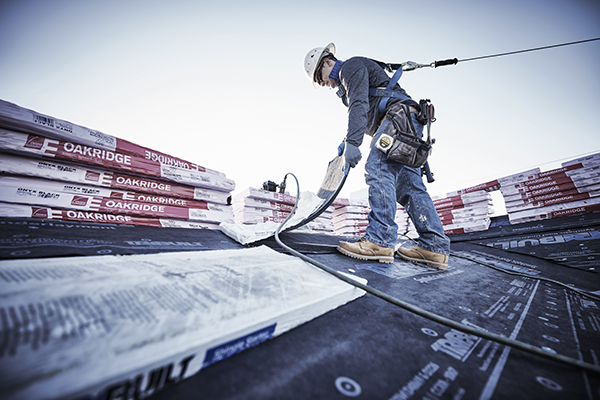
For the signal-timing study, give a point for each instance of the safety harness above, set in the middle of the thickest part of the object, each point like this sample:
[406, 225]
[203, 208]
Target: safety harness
[425, 109]
[389, 91]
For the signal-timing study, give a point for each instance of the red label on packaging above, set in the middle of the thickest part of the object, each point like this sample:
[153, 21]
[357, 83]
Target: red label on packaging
[92, 176]
[34, 142]
[79, 201]
[37, 212]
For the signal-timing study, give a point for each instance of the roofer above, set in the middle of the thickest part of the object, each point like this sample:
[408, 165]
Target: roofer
[389, 181]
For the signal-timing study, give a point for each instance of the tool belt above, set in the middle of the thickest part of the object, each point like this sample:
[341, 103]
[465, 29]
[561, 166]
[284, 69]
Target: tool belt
[400, 142]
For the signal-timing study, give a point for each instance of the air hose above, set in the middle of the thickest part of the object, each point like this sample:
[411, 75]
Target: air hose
[426, 314]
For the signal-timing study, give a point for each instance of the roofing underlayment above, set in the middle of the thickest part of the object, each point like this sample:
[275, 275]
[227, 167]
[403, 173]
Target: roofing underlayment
[117, 282]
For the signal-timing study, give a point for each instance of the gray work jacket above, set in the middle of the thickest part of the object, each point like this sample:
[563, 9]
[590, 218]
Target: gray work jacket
[357, 75]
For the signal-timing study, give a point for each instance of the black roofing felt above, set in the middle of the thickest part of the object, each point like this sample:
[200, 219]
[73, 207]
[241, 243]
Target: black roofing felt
[34, 238]
[371, 349]
[569, 241]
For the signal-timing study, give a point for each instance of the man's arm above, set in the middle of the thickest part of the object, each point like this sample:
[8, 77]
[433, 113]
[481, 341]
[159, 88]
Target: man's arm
[355, 78]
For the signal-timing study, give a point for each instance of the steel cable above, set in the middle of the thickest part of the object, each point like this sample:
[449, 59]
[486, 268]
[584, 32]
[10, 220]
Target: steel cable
[528, 50]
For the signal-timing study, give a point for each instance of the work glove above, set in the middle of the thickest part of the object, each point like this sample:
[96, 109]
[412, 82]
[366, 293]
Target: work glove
[351, 153]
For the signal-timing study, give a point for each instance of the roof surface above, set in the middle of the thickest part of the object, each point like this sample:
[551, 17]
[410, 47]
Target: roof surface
[370, 348]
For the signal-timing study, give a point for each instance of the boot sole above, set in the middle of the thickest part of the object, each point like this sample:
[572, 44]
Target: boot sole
[381, 259]
[433, 264]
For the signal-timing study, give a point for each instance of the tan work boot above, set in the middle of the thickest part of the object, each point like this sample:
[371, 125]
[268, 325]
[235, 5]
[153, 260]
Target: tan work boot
[365, 250]
[430, 258]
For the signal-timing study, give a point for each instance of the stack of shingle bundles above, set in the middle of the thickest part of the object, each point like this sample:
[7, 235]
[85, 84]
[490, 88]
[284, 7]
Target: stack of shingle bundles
[405, 224]
[72, 201]
[60, 170]
[572, 189]
[254, 206]
[350, 217]
[466, 210]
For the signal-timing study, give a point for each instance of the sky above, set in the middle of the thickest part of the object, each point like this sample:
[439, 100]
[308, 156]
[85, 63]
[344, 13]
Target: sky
[222, 84]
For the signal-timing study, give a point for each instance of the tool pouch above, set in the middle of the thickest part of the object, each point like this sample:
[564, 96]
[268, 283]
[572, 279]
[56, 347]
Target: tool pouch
[399, 142]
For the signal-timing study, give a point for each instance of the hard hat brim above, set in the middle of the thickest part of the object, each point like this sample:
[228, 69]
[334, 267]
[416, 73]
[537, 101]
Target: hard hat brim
[310, 57]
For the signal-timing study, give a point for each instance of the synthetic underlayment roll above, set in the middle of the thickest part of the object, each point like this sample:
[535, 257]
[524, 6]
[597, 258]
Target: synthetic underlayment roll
[97, 326]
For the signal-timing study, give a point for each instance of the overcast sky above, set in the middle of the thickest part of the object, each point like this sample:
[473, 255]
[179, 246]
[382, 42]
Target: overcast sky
[222, 83]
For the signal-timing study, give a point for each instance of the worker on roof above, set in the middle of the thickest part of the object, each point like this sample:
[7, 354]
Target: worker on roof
[389, 181]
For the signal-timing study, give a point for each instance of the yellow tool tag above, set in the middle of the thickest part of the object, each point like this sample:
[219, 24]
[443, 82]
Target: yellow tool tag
[384, 143]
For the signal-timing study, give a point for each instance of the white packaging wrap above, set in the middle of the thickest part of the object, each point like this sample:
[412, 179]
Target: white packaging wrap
[555, 211]
[77, 173]
[12, 210]
[593, 159]
[465, 227]
[40, 192]
[39, 146]
[261, 203]
[14, 117]
[265, 195]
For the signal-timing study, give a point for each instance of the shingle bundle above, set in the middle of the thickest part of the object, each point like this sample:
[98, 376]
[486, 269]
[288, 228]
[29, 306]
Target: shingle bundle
[59, 170]
[465, 211]
[323, 223]
[350, 217]
[253, 206]
[572, 189]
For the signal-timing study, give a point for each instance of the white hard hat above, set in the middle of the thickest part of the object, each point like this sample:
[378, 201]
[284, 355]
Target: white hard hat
[314, 57]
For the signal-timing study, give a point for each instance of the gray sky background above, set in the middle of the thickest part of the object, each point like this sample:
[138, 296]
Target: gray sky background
[222, 84]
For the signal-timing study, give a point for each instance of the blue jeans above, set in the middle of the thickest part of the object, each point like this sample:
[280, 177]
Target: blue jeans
[390, 182]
